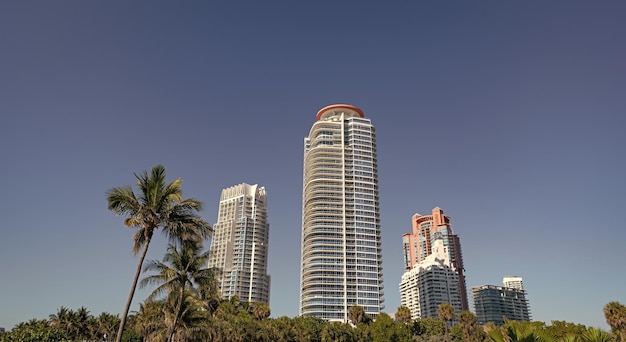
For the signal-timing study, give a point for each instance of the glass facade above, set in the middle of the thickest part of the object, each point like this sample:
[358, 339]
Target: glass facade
[341, 263]
[499, 303]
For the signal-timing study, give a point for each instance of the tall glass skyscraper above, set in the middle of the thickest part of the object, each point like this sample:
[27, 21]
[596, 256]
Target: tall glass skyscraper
[239, 243]
[341, 262]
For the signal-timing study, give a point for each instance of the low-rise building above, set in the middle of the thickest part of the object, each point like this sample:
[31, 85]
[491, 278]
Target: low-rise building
[499, 303]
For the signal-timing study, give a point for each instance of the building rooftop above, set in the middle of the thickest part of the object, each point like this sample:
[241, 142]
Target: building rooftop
[334, 109]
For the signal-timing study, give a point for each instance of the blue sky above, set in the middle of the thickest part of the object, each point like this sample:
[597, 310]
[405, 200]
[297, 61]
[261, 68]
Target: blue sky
[507, 115]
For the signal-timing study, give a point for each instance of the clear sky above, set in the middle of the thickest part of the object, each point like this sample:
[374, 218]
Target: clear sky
[507, 115]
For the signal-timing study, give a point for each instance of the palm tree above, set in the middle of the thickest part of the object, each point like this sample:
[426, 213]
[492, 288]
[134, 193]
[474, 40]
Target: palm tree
[186, 321]
[157, 205]
[515, 333]
[615, 314]
[337, 332]
[260, 311]
[150, 318]
[65, 320]
[596, 335]
[82, 317]
[446, 313]
[356, 314]
[467, 323]
[183, 271]
[229, 308]
[403, 314]
[107, 325]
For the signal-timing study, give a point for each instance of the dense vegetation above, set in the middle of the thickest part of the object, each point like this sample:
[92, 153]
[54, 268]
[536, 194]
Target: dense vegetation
[233, 320]
[185, 305]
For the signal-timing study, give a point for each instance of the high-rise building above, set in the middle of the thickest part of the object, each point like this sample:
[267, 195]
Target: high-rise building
[341, 261]
[514, 282]
[240, 242]
[419, 244]
[431, 282]
[497, 303]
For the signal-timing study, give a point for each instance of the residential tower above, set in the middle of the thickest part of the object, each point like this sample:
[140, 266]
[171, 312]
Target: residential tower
[341, 260]
[240, 242]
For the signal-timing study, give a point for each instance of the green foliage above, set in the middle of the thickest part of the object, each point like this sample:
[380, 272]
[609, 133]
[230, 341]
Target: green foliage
[445, 311]
[615, 314]
[384, 329]
[130, 335]
[157, 205]
[518, 332]
[467, 329]
[107, 325]
[596, 335]
[403, 314]
[356, 314]
[236, 321]
[429, 326]
[181, 278]
[561, 329]
[34, 331]
[456, 333]
[260, 311]
[338, 332]
[308, 328]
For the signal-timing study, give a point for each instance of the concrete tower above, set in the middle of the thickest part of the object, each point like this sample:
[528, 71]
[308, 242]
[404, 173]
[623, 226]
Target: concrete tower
[419, 245]
[239, 244]
[341, 261]
[431, 282]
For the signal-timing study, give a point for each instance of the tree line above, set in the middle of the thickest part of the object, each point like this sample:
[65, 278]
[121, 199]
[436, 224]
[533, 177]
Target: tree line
[237, 321]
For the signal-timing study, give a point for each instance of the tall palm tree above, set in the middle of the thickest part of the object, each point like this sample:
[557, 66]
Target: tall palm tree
[150, 318]
[107, 325]
[190, 322]
[403, 314]
[82, 317]
[468, 325]
[182, 271]
[65, 320]
[615, 314]
[446, 313]
[157, 205]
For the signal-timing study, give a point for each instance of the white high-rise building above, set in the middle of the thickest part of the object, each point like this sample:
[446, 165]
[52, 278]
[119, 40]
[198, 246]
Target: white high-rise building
[431, 282]
[240, 242]
[341, 261]
[513, 282]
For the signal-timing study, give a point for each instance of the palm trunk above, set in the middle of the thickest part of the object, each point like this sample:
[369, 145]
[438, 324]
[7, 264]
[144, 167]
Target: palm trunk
[132, 290]
[178, 313]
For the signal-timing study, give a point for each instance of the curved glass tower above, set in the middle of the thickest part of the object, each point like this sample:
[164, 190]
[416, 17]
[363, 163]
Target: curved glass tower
[341, 263]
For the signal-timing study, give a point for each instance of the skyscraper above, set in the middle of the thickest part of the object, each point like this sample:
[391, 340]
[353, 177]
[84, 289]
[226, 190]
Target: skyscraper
[341, 261]
[431, 282]
[419, 245]
[240, 242]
